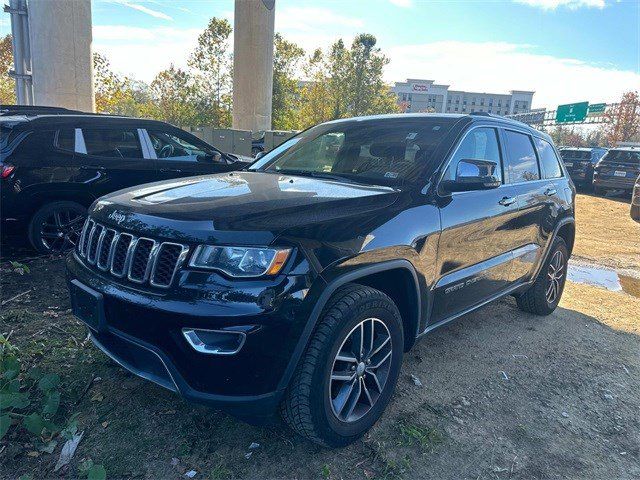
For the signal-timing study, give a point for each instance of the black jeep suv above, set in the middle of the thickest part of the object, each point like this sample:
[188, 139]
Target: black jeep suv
[55, 162]
[617, 170]
[580, 162]
[297, 285]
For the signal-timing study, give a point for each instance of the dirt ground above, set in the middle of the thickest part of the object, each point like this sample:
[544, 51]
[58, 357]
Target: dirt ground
[504, 395]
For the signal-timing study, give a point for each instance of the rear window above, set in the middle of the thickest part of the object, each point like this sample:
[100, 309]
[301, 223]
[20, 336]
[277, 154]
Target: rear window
[623, 156]
[549, 161]
[112, 142]
[521, 163]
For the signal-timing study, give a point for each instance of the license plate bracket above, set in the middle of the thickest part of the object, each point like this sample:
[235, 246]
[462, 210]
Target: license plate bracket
[87, 305]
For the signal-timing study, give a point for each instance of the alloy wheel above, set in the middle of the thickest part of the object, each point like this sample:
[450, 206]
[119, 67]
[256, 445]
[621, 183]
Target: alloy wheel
[360, 370]
[61, 230]
[555, 273]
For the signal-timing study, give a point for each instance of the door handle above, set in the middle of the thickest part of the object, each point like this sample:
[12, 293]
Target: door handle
[550, 191]
[506, 201]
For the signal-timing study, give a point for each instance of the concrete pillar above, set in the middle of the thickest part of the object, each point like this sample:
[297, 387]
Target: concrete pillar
[253, 64]
[61, 57]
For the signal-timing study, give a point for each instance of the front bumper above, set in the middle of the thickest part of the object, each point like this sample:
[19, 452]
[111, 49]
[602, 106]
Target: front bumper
[142, 331]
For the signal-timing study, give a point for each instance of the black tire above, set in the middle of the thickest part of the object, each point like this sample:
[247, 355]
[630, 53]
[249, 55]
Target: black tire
[535, 299]
[42, 230]
[308, 407]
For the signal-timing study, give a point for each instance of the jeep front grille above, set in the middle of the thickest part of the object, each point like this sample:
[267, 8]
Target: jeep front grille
[139, 259]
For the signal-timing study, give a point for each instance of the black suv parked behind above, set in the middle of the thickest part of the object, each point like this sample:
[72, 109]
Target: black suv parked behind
[580, 163]
[55, 162]
[617, 170]
[298, 284]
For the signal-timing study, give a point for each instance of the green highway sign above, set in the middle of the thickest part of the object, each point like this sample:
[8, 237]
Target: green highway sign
[597, 108]
[572, 112]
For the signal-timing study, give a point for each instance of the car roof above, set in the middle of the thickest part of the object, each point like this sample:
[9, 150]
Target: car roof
[59, 120]
[583, 149]
[484, 117]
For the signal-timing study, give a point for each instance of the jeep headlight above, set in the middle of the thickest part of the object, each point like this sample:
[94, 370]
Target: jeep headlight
[240, 261]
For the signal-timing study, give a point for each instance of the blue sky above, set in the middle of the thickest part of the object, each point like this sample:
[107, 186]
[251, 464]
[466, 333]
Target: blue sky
[565, 50]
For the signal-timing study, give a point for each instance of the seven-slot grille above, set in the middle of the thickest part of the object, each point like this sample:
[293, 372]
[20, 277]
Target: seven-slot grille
[139, 259]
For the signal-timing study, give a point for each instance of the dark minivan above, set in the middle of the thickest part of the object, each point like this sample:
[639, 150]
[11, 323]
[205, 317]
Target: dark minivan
[297, 285]
[54, 165]
[580, 163]
[617, 170]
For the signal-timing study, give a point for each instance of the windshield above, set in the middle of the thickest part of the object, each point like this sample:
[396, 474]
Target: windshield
[382, 151]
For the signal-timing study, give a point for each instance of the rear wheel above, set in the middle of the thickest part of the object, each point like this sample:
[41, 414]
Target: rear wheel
[543, 296]
[349, 372]
[56, 227]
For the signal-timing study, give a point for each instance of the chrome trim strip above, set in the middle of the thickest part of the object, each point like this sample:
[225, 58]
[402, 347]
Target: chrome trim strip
[124, 266]
[182, 256]
[128, 259]
[190, 333]
[99, 246]
[92, 261]
[106, 267]
[147, 270]
[83, 235]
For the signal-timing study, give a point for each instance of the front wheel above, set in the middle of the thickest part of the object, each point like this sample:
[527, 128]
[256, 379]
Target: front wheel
[350, 368]
[543, 296]
[56, 227]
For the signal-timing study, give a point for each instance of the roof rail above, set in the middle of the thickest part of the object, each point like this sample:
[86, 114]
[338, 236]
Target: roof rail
[481, 114]
[37, 110]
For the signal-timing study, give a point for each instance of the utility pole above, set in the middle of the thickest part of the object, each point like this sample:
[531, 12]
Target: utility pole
[21, 51]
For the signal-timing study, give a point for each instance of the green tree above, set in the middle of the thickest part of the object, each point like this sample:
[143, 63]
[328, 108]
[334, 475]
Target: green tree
[115, 94]
[623, 120]
[316, 104]
[286, 92]
[346, 82]
[173, 92]
[7, 84]
[212, 61]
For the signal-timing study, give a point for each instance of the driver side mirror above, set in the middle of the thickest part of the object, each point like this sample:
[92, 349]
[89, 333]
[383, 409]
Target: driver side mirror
[260, 155]
[473, 174]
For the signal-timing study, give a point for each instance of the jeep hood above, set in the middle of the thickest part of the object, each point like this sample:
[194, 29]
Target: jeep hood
[250, 208]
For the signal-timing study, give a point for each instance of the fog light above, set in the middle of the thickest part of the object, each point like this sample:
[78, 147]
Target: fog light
[214, 342]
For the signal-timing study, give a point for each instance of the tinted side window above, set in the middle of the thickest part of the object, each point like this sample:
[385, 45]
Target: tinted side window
[478, 144]
[548, 159]
[66, 139]
[112, 142]
[521, 163]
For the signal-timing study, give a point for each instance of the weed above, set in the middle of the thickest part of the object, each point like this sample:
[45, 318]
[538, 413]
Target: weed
[20, 268]
[325, 472]
[425, 437]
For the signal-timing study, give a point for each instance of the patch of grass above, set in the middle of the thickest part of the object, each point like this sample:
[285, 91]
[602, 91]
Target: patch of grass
[424, 437]
[220, 471]
[395, 469]
[325, 472]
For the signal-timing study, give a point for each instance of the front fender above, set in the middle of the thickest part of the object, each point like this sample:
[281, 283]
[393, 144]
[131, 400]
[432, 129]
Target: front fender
[326, 288]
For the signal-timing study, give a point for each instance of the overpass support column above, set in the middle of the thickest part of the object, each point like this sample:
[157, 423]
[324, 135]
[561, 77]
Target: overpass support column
[253, 64]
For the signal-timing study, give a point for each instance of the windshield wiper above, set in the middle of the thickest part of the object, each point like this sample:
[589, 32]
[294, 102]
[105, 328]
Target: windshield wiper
[314, 174]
